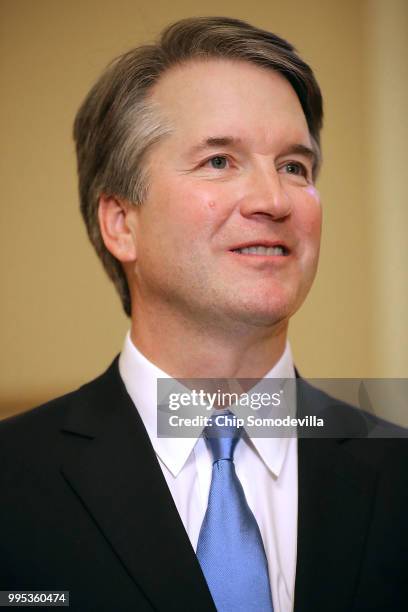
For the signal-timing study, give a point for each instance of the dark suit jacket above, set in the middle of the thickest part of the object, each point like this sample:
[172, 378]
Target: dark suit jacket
[85, 508]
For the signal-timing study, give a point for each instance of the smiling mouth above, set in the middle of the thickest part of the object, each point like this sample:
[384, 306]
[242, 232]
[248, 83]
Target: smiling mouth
[275, 251]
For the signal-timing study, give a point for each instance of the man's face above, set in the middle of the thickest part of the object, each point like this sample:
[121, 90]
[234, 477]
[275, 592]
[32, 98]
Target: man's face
[230, 228]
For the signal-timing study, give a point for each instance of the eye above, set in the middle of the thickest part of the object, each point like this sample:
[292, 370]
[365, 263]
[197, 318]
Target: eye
[218, 162]
[296, 168]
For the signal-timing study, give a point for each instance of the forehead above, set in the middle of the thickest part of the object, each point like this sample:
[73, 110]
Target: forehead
[234, 96]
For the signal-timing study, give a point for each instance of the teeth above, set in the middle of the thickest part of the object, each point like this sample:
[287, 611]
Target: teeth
[261, 250]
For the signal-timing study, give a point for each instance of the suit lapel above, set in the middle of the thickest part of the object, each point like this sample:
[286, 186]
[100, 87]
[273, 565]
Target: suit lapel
[336, 494]
[112, 467]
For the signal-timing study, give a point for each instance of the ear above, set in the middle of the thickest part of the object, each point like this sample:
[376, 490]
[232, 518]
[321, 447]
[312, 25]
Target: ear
[117, 224]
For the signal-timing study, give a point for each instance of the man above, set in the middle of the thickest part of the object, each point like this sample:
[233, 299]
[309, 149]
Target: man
[197, 159]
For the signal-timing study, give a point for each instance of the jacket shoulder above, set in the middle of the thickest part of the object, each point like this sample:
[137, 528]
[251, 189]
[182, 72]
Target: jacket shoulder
[367, 437]
[40, 422]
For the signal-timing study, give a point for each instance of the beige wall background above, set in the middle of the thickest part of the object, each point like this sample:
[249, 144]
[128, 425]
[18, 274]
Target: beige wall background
[61, 322]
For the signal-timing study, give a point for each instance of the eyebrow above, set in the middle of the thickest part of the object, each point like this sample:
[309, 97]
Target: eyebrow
[214, 142]
[300, 149]
[230, 141]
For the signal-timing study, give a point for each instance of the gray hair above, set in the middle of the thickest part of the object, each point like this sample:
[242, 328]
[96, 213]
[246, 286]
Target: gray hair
[118, 123]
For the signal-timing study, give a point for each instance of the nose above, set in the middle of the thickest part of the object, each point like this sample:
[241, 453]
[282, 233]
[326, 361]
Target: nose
[266, 195]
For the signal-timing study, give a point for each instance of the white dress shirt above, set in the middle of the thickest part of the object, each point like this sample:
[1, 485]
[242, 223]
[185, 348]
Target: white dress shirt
[266, 467]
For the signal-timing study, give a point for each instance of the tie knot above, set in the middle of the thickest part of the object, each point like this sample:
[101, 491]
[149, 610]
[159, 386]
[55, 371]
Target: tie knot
[223, 434]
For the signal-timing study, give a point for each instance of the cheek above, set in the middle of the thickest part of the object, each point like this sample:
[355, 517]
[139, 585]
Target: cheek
[177, 217]
[197, 206]
[309, 215]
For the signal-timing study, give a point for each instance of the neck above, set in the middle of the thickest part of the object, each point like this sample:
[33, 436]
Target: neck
[184, 350]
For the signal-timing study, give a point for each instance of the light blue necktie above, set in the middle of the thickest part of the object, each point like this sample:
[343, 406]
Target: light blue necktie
[230, 548]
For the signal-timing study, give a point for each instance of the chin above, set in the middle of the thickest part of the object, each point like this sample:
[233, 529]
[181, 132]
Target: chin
[263, 313]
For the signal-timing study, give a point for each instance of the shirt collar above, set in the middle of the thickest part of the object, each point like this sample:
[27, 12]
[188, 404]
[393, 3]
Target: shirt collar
[140, 378]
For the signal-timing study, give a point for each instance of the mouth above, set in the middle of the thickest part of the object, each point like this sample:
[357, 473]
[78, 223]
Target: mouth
[262, 250]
